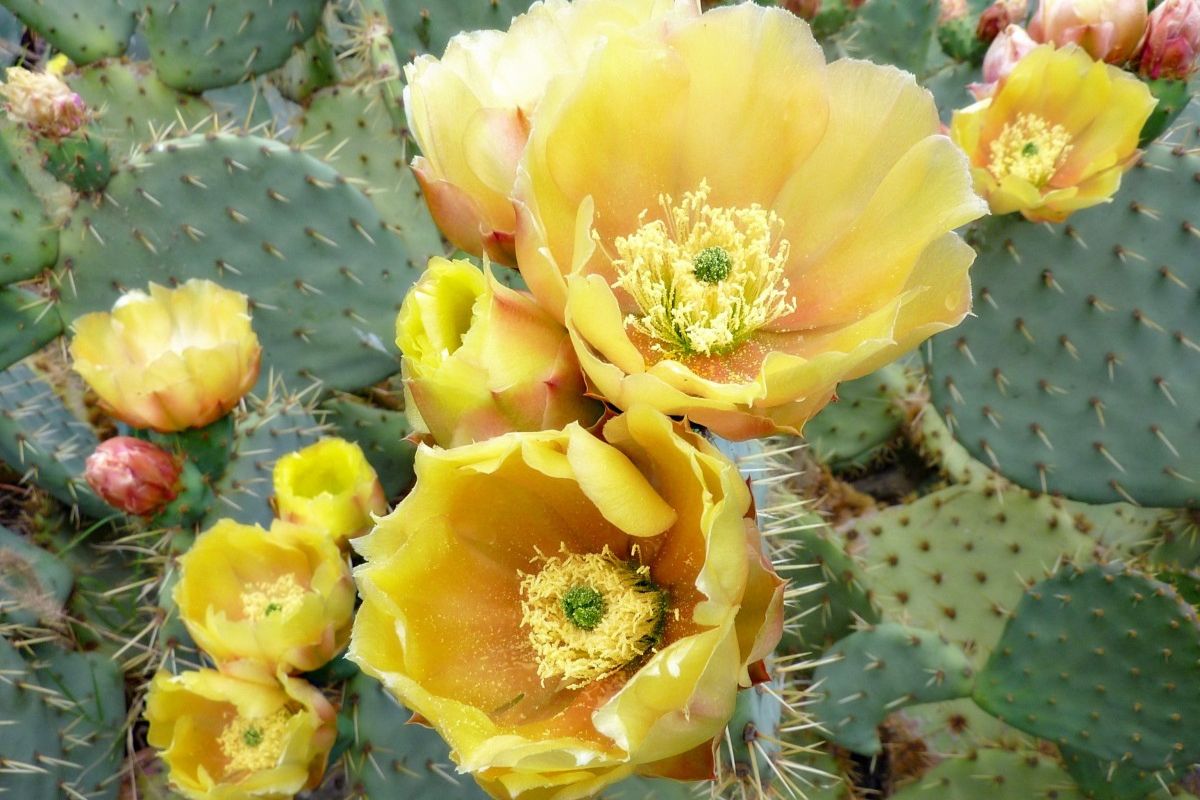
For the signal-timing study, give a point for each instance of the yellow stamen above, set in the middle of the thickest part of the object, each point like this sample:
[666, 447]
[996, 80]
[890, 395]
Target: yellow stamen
[281, 597]
[590, 615]
[1029, 148]
[253, 745]
[704, 278]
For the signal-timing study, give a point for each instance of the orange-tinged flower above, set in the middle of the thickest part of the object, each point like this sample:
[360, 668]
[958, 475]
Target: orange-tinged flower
[225, 738]
[171, 359]
[481, 359]
[329, 486]
[470, 110]
[259, 602]
[43, 102]
[729, 227]
[568, 611]
[1109, 30]
[1055, 136]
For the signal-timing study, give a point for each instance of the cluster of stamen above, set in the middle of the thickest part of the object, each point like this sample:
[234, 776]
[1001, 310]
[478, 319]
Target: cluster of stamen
[1029, 148]
[704, 278]
[256, 744]
[589, 615]
[280, 597]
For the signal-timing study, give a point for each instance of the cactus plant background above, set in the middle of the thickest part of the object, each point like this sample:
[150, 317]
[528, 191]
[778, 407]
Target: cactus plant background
[993, 546]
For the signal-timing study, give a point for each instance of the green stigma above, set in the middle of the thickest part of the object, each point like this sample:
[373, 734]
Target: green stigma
[272, 608]
[712, 265]
[584, 606]
[1030, 149]
[252, 737]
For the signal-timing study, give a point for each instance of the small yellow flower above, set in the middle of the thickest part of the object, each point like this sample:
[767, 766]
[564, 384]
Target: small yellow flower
[43, 101]
[259, 602]
[729, 227]
[171, 359]
[1055, 136]
[225, 738]
[566, 610]
[470, 110]
[481, 359]
[329, 486]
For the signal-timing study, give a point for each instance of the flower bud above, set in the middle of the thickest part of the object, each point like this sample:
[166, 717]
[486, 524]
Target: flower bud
[132, 475]
[1109, 30]
[44, 102]
[1172, 41]
[481, 359]
[998, 16]
[329, 486]
[1006, 50]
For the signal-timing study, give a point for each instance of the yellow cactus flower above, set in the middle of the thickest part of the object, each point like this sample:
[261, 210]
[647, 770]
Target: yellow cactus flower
[225, 738]
[1055, 136]
[470, 110]
[481, 359]
[259, 602]
[43, 101]
[729, 226]
[171, 359]
[329, 486]
[567, 611]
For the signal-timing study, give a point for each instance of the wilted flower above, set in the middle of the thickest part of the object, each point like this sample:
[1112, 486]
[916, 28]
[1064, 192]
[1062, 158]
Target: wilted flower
[171, 359]
[1002, 56]
[481, 359]
[470, 110]
[998, 16]
[329, 486]
[224, 738]
[1056, 135]
[567, 612]
[1109, 30]
[718, 261]
[132, 475]
[1172, 41]
[44, 102]
[263, 601]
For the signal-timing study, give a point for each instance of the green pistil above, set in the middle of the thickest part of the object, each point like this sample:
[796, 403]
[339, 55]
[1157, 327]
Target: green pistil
[1030, 149]
[711, 265]
[584, 606]
[253, 737]
[272, 608]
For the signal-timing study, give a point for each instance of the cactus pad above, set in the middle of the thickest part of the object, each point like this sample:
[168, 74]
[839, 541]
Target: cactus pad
[86, 30]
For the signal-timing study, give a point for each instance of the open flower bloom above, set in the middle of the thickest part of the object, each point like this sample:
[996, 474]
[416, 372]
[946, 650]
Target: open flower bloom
[260, 602]
[470, 110]
[481, 359]
[224, 738]
[44, 102]
[730, 227]
[565, 611]
[329, 486]
[1056, 135]
[171, 359]
[1109, 30]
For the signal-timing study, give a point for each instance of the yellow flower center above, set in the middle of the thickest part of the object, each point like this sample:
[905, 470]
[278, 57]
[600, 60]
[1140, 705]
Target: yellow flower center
[1029, 148]
[704, 278]
[279, 597]
[590, 615]
[253, 745]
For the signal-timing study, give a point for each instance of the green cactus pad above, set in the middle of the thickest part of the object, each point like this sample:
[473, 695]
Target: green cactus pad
[898, 32]
[1077, 373]
[1108, 780]
[86, 30]
[873, 672]
[381, 435]
[62, 726]
[40, 437]
[80, 161]
[33, 583]
[28, 238]
[324, 276]
[850, 433]
[198, 45]
[1102, 660]
[26, 323]
[419, 26]
[994, 774]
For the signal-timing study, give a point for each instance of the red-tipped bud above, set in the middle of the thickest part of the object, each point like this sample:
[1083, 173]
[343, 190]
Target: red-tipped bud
[998, 16]
[133, 475]
[1172, 41]
[1002, 56]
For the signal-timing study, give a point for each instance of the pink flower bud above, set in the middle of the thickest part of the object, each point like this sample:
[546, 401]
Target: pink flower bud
[1009, 47]
[1109, 30]
[998, 16]
[1172, 41]
[133, 475]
